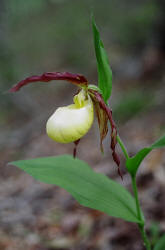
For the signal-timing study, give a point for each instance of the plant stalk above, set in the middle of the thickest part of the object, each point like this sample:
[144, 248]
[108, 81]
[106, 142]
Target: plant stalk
[139, 214]
[145, 238]
[122, 147]
[134, 187]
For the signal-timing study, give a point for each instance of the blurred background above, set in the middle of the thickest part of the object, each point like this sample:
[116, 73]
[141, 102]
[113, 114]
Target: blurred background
[56, 35]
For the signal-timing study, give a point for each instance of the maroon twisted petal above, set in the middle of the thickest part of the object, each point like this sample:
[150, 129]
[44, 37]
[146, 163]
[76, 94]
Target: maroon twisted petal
[98, 97]
[49, 76]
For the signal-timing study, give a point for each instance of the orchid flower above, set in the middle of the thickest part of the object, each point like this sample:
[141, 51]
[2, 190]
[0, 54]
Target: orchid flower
[71, 123]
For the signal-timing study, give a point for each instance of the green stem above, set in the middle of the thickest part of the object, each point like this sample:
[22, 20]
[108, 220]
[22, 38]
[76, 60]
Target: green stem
[122, 147]
[134, 186]
[145, 238]
[139, 214]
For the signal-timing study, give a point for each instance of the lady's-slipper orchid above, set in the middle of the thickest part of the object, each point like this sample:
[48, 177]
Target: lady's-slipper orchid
[70, 123]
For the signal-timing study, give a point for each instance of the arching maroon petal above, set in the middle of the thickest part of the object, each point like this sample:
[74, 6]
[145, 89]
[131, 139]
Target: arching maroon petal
[49, 76]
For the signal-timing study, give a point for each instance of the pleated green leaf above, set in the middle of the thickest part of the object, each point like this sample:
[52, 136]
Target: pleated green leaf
[89, 188]
[103, 68]
[134, 162]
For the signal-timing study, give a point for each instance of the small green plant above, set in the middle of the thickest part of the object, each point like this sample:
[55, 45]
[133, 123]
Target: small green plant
[69, 124]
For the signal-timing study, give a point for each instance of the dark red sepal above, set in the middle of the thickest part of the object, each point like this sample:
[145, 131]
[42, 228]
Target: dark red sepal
[49, 76]
[97, 98]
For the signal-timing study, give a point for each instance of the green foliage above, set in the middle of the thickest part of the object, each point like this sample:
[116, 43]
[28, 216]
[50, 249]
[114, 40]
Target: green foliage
[134, 28]
[104, 70]
[133, 163]
[17, 8]
[90, 189]
[154, 233]
[160, 244]
[132, 103]
[159, 143]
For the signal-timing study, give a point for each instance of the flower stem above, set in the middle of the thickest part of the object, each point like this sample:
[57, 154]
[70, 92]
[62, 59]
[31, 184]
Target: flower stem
[145, 238]
[139, 214]
[122, 147]
[134, 187]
